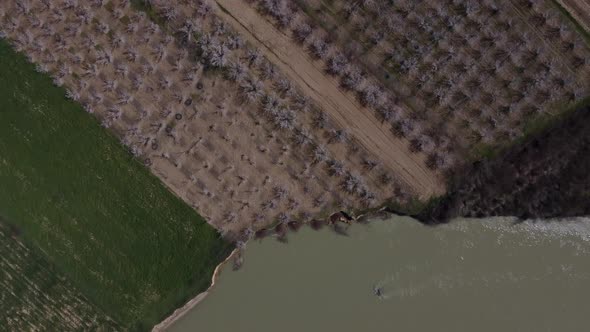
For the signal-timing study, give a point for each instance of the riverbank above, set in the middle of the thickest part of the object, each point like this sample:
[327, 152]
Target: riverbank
[180, 312]
[484, 180]
[338, 217]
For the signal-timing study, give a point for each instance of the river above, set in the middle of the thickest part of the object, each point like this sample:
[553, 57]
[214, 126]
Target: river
[469, 275]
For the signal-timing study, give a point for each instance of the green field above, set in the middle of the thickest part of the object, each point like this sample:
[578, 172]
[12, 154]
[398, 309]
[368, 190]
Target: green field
[97, 215]
[35, 297]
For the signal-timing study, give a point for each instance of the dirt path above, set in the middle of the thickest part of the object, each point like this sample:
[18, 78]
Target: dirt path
[579, 9]
[325, 91]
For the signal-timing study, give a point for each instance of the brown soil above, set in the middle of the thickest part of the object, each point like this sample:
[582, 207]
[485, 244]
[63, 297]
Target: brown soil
[187, 307]
[475, 121]
[195, 132]
[324, 90]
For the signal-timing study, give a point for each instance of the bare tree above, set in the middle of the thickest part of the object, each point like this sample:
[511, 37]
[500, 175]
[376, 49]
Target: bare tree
[235, 71]
[124, 97]
[109, 85]
[168, 12]
[339, 136]
[336, 168]
[319, 154]
[121, 69]
[351, 183]
[130, 55]
[285, 18]
[402, 128]
[370, 164]
[336, 64]
[203, 8]
[257, 218]
[283, 85]
[103, 57]
[283, 218]
[302, 137]
[367, 197]
[253, 56]
[387, 114]
[386, 178]
[267, 70]
[234, 42]
[371, 96]
[270, 104]
[185, 33]
[352, 79]
[301, 32]
[72, 95]
[158, 52]
[284, 118]
[215, 54]
[251, 88]
[319, 48]
[269, 205]
[320, 119]
[280, 193]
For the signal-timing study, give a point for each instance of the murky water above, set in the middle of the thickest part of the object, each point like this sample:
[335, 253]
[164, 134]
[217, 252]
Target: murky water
[471, 275]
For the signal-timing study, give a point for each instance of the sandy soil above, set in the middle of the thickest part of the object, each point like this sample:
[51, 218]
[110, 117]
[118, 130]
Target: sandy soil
[325, 91]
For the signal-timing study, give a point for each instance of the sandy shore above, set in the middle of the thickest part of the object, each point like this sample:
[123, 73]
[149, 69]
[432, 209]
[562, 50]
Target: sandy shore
[180, 312]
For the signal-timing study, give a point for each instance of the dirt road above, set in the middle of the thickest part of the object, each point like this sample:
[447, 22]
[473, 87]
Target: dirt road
[325, 92]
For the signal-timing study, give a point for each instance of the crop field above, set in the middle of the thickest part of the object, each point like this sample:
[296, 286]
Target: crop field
[75, 195]
[33, 296]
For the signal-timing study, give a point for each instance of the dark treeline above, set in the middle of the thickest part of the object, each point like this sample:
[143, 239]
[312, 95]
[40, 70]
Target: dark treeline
[548, 176]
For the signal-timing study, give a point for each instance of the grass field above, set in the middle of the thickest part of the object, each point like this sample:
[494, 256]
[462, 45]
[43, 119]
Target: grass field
[34, 297]
[76, 195]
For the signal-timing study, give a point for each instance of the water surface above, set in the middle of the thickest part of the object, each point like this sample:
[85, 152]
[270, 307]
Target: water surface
[471, 275]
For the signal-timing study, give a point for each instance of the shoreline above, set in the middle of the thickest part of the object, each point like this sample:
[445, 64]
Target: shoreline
[180, 312]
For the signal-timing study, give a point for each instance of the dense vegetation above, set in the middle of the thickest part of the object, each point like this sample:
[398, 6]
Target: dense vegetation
[546, 177]
[105, 223]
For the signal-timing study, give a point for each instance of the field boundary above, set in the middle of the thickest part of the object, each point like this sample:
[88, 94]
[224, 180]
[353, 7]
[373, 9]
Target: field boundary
[97, 214]
[180, 312]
